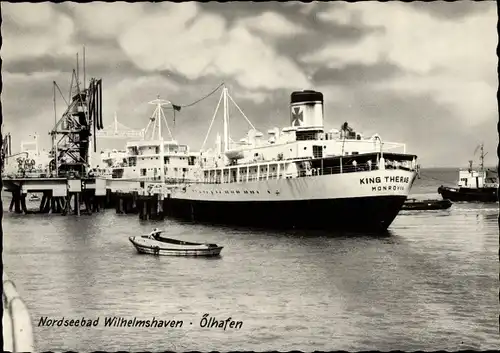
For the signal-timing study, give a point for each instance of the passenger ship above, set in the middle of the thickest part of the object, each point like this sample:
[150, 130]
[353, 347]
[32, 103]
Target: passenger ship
[149, 162]
[301, 177]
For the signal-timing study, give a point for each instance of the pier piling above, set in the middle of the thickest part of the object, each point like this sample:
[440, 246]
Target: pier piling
[16, 201]
[23, 204]
[151, 207]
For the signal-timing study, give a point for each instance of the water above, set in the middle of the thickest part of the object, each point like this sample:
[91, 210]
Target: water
[430, 284]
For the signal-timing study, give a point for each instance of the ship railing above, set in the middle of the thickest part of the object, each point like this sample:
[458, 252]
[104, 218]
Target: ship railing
[283, 174]
[361, 167]
[17, 324]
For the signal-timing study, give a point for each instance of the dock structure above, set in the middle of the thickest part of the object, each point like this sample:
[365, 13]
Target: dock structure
[60, 195]
[16, 320]
[63, 175]
[147, 206]
[144, 199]
[151, 207]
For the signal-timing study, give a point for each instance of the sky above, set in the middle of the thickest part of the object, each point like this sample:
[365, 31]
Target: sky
[424, 74]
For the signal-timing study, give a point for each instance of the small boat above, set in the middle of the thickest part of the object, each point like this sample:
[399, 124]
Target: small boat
[155, 244]
[474, 185]
[34, 197]
[414, 204]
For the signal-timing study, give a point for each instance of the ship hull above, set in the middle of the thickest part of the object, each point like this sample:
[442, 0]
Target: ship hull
[468, 194]
[367, 201]
[361, 213]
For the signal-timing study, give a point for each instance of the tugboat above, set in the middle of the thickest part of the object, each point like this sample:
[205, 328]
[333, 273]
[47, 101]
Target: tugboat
[474, 185]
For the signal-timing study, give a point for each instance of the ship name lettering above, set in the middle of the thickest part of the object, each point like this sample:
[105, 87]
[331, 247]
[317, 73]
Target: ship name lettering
[212, 322]
[376, 180]
[388, 188]
[397, 179]
[387, 179]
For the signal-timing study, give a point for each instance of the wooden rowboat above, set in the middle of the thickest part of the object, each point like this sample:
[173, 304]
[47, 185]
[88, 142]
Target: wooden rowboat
[155, 244]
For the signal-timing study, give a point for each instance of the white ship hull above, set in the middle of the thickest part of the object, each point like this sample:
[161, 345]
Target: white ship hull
[359, 200]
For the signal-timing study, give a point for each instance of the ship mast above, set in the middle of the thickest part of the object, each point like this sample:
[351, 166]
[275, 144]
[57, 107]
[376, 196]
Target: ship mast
[226, 118]
[482, 155]
[157, 117]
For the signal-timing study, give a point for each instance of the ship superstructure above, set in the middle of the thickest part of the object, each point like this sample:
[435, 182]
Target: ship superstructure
[151, 159]
[300, 176]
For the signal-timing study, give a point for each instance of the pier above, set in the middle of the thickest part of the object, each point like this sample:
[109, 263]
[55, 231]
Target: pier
[147, 206]
[17, 324]
[60, 195]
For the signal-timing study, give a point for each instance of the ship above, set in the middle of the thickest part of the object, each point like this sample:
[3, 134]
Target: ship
[149, 163]
[474, 184]
[300, 177]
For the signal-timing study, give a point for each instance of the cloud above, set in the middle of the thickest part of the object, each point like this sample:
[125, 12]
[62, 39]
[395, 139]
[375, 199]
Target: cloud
[452, 10]
[32, 30]
[340, 15]
[273, 24]
[413, 40]
[106, 20]
[472, 102]
[357, 73]
[454, 61]
[196, 45]
[257, 97]
[130, 97]
[27, 104]
[345, 53]
[28, 15]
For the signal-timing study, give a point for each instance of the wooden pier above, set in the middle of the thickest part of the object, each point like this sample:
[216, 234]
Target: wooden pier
[85, 196]
[59, 195]
[149, 207]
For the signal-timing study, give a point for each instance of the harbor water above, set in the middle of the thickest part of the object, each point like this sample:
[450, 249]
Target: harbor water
[431, 283]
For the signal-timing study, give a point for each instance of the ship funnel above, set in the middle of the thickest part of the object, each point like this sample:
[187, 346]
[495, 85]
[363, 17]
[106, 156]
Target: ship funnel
[306, 110]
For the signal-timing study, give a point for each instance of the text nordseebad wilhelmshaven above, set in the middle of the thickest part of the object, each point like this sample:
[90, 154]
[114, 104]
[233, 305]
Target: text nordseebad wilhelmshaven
[115, 321]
